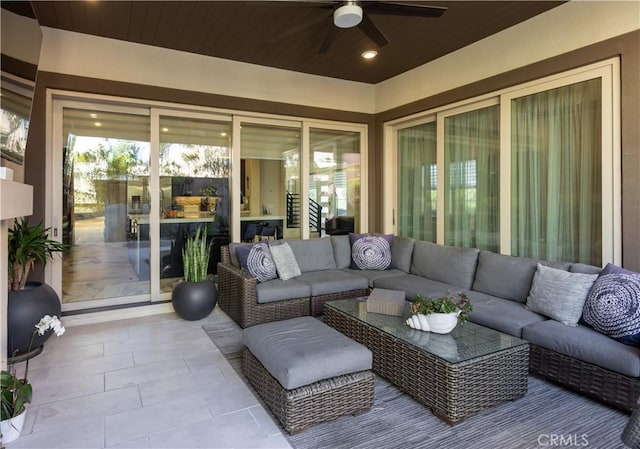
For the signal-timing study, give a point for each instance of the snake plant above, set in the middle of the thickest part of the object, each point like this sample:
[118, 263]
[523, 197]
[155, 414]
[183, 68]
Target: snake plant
[195, 257]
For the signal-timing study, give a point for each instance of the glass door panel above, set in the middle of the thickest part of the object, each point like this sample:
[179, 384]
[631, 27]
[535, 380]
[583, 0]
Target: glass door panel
[105, 174]
[270, 182]
[556, 181]
[334, 182]
[417, 182]
[472, 179]
[194, 190]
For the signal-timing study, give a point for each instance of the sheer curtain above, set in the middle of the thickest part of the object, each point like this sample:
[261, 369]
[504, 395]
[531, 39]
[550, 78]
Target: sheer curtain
[417, 182]
[556, 174]
[472, 181]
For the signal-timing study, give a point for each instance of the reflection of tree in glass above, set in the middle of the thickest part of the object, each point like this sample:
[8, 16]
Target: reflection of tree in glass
[109, 160]
[13, 138]
[194, 160]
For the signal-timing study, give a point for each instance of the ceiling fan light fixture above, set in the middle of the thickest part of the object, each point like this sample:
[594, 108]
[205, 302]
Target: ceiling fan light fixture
[347, 16]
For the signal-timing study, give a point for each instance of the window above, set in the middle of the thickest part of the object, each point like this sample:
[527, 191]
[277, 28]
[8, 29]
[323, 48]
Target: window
[531, 171]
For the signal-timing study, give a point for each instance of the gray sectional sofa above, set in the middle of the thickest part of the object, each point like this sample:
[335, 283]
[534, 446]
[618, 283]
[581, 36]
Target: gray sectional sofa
[498, 286]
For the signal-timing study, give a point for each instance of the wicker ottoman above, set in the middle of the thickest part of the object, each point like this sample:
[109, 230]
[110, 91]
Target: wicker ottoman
[307, 372]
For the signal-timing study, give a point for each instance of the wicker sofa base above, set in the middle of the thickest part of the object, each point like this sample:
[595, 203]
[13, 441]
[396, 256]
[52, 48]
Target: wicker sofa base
[236, 296]
[317, 302]
[326, 400]
[591, 380]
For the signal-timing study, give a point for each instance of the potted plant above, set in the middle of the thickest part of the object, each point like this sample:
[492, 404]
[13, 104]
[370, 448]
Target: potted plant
[195, 297]
[16, 392]
[441, 314]
[28, 301]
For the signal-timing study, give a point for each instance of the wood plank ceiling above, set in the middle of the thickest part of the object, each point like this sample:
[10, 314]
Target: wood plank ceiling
[287, 35]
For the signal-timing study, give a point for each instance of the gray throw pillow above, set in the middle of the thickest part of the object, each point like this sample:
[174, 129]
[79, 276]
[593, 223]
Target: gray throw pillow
[559, 294]
[285, 261]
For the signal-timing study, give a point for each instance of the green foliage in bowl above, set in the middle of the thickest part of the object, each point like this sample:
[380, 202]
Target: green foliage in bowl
[447, 303]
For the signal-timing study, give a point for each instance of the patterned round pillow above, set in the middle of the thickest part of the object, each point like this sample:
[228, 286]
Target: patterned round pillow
[371, 253]
[257, 261]
[613, 307]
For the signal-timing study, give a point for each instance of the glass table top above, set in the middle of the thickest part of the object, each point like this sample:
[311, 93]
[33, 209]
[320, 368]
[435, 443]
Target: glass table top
[467, 341]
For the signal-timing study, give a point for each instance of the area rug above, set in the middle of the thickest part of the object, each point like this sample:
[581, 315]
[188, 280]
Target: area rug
[547, 416]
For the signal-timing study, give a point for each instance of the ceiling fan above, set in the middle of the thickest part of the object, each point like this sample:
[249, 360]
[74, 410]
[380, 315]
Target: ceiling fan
[350, 14]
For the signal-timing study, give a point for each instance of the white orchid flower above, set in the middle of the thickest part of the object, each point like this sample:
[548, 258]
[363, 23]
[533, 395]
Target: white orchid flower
[50, 322]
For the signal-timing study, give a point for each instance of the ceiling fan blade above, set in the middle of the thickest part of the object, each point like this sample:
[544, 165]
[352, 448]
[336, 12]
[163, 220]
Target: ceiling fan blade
[372, 31]
[404, 9]
[328, 40]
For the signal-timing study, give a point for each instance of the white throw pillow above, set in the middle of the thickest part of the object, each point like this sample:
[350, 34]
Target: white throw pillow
[559, 294]
[286, 263]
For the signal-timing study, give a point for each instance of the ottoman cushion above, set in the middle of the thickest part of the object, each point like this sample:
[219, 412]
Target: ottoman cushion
[301, 351]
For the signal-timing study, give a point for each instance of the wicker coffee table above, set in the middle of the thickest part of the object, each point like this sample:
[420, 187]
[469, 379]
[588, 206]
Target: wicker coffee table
[455, 375]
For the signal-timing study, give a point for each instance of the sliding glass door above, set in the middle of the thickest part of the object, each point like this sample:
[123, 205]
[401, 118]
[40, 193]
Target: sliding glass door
[472, 179]
[556, 181]
[133, 181]
[417, 182]
[335, 170]
[193, 191]
[270, 201]
[531, 171]
[105, 181]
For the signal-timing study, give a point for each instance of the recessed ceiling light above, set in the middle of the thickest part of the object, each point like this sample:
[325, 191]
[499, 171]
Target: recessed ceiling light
[369, 54]
[164, 130]
[93, 115]
[223, 134]
[98, 124]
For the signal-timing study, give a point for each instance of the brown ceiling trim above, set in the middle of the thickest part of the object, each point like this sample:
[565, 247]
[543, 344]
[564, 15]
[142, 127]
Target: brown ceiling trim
[17, 67]
[75, 83]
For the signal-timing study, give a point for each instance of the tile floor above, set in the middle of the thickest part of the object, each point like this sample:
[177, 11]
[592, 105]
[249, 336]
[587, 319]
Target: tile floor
[151, 382]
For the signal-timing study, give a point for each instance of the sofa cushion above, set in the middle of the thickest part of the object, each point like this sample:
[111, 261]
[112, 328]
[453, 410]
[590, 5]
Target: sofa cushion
[501, 314]
[313, 254]
[503, 276]
[613, 305]
[278, 290]
[233, 246]
[301, 351]
[372, 275]
[257, 261]
[402, 253]
[326, 282]
[559, 294]
[447, 264]
[286, 264]
[341, 251]
[584, 268]
[370, 252]
[586, 344]
[413, 285]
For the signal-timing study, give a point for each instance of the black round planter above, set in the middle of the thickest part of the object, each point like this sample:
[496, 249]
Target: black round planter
[25, 309]
[194, 300]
